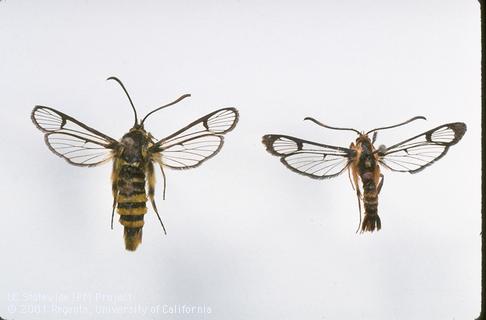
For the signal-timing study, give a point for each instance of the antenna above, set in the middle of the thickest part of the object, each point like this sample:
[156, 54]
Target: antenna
[130, 99]
[165, 106]
[329, 127]
[400, 124]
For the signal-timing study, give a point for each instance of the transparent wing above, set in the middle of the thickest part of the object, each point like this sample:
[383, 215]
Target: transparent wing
[415, 154]
[197, 142]
[72, 140]
[315, 160]
[76, 150]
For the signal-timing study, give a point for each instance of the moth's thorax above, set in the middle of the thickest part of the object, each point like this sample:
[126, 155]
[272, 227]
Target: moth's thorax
[366, 156]
[135, 144]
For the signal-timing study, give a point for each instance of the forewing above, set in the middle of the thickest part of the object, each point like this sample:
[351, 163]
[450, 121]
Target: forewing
[197, 142]
[72, 140]
[315, 160]
[415, 154]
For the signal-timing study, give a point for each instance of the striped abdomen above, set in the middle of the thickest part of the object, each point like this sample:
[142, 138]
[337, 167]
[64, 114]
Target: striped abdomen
[371, 220]
[131, 201]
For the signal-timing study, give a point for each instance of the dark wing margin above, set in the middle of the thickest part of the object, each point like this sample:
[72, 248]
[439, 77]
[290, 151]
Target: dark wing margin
[415, 154]
[314, 160]
[197, 142]
[71, 139]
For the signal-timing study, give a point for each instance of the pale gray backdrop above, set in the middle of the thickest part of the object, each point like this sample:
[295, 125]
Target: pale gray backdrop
[247, 238]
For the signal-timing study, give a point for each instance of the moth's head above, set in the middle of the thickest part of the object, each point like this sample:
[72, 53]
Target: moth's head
[137, 127]
[363, 138]
[139, 131]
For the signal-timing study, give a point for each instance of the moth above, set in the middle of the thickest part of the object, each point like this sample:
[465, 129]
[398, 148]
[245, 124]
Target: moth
[363, 161]
[134, 155]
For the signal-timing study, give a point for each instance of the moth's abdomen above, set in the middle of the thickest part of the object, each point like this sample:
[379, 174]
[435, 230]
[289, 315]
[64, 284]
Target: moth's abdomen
[371, 220]
[131, 201]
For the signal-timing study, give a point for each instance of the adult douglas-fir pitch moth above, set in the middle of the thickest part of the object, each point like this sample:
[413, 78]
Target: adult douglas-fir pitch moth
[133, 177]
[363, 160]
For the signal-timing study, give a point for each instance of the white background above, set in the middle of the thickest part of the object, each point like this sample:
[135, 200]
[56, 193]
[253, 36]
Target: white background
[247, 238]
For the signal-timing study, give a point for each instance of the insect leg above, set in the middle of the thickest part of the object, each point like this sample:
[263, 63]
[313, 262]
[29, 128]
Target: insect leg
[353, 169]
[358, 194]
[349, 176]
[165, 181]
[151, 191]
[380, 184]
[114, 190]
[113, 212]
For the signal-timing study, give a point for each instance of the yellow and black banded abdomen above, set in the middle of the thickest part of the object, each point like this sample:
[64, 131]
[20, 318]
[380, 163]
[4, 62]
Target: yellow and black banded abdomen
[131, 203]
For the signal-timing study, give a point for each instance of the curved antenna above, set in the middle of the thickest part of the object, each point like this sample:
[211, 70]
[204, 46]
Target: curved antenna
[130, 99]
[165, 106]
[329, 127]
[397, 125]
